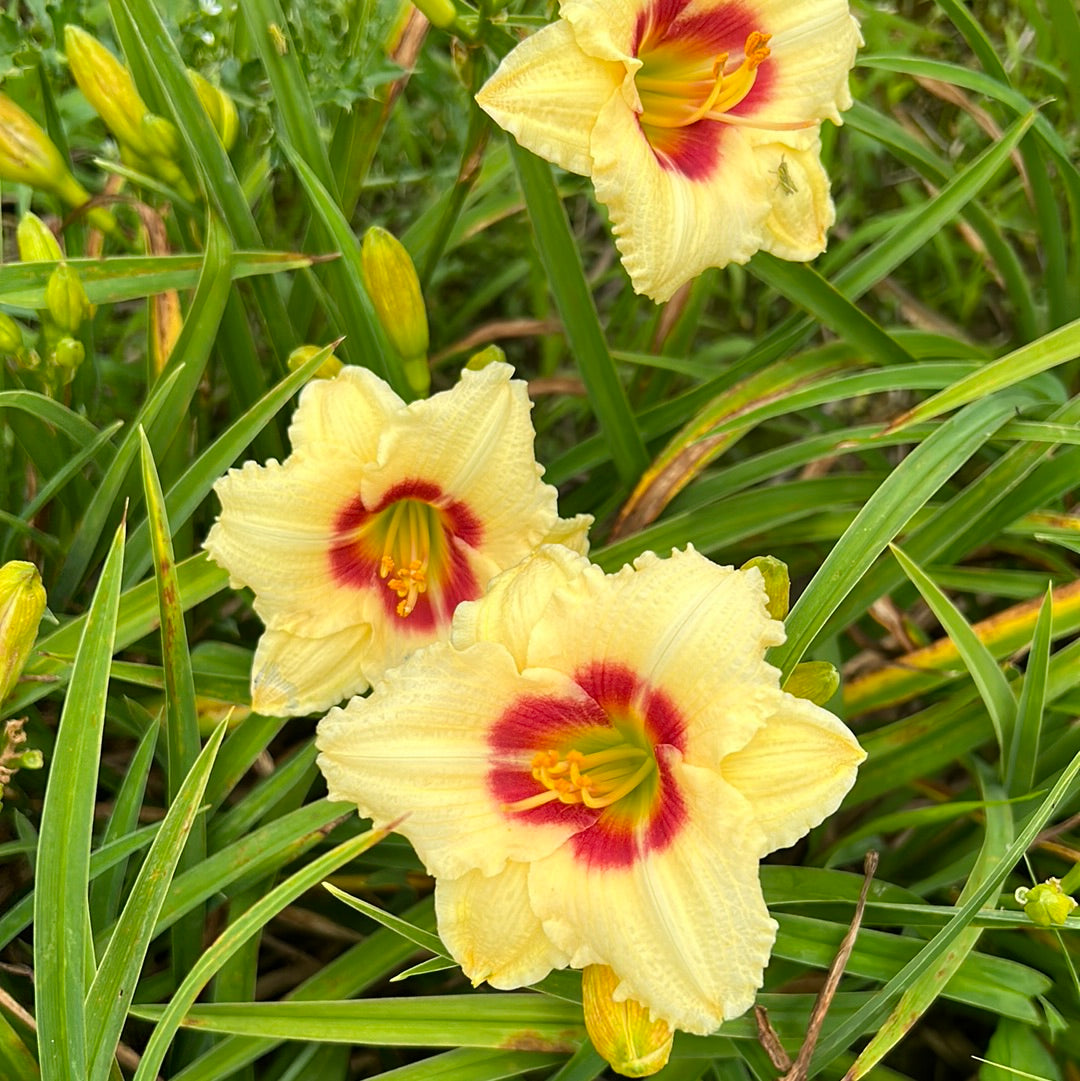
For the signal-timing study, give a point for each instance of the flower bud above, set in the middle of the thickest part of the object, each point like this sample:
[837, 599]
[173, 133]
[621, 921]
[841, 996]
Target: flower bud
[68, 353]
[27, 154]
[22, 604]
[1047, 904]
[36, 241]
[440, 13]
[11, 339]
[219, 107]
[395, 291]
[816, 681]
[160, 139]
[621, 1032]
[490, 354]
[777, 583]
[107, 85]
[66, 298]
[303, 353]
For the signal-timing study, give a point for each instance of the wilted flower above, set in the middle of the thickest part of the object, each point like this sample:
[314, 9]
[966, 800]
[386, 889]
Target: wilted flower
[385, 517]
[698, 123]
[592, 768]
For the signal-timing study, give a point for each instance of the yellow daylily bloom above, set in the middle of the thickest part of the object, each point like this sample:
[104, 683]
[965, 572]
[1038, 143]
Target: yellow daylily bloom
[383, 519]
[592, 767]
[698, 121]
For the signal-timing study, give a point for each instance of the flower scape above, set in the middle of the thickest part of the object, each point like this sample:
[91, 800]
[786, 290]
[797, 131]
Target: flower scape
[360, 545]
[697, 120]
[591, 767]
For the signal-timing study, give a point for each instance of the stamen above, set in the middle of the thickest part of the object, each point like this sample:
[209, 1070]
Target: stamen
[404, 562]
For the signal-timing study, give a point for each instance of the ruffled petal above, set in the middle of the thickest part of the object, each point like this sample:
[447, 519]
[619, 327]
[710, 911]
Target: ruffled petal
[802, 208]
[344, 416]
[475, 444]
[668, 226]
[685, 928]
[490, 929]
[293, 674]
[547, 94]
[703, 632]
[606, 29]
[795, 771]
[419, 746]
[275, 533]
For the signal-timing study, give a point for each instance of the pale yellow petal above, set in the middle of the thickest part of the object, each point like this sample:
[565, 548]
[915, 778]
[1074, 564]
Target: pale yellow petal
[418, 746]
[293, 674]
[813, 48]
[795, 771]
[683, 625]
[344, 416]
[475, 443]
[668, 227]
[488, 925]
[605, 29]
[510, 609]
[802, 208]
[685, 928]
[274, 534]
[572, 533]
[547, 94]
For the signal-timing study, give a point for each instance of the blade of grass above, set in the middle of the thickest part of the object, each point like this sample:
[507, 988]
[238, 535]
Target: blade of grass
[113, 988]
[566, 279]
[61, 907]
[1024, 749]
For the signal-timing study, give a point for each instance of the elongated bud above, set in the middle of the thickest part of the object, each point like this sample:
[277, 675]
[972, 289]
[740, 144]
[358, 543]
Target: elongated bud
[66, 298]
[303, 353]
[1047, 904]
[621, 1032]
[107, 85]
[36, 241]
[11, 339]
[777, 583]
[219, 107]
[28, 155]
[816, 681]
[160, 139]
[395, 291]
[22, 604]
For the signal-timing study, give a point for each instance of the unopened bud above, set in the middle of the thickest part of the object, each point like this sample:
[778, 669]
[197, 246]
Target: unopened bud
[68, 353]
[160, 139]
[622, 1032]
[816, 681]
[219, 107]
[1047, 904]
[440, 13]
[29, 156]
[22, 603]
[303, 353]
[777, 583]
[36, 241]
[11, 339]
[107, 85]
[395, 291]
[66, 298]
[490, 354]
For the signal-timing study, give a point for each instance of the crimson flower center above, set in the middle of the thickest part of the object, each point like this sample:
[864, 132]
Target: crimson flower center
[678, 87]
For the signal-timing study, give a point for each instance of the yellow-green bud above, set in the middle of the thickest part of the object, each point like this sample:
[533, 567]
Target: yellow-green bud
[816, 681]
[303, 353]
[22, 603]
[29, 156]
[621, 1032]
[440, 13]
[1047, 904]
[36, 241]
[66, 298]
[160, 139]
[490, 354]
[395, 291]
[11, 339]
[777, 583]
[68, 353]
[107, 85]
[219, 107]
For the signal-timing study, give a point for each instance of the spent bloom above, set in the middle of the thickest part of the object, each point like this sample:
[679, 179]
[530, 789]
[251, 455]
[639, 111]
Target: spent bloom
[592, 767]
[360, 545]
[698, 121]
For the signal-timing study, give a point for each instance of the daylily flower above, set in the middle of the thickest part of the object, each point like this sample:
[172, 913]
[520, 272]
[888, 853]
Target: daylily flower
[592, 768]
[697, 120]
[383, 519]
